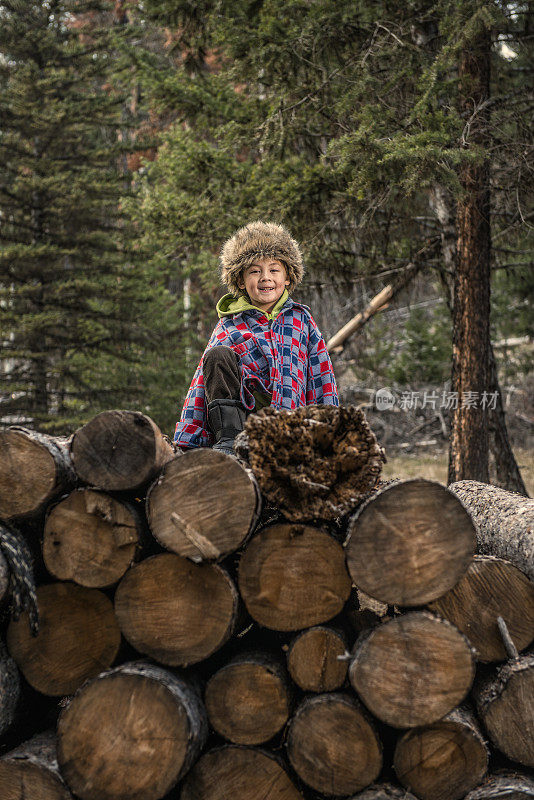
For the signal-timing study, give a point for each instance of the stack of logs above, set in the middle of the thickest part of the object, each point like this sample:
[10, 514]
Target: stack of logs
[278, 628]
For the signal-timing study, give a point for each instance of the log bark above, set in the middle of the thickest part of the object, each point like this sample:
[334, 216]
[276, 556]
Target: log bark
[248, 700]
[412, 670]
[293, 577]
[332, 746]
[316, 661]
[119, 451]
[31, 771]
[490, 588]
[504, 786]
[409, 543]
[505, 704]
[34, 468]
[383, 791]
[239, 773]
[9, 690]
[504, 522]
[4, 577]
[174, 611]
[315, 462]
[78, 637]
[91, 538]
[442, 761]
[130, 734]
[203, 505]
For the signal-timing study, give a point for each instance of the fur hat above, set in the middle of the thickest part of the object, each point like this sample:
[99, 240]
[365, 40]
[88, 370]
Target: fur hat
[260, 240]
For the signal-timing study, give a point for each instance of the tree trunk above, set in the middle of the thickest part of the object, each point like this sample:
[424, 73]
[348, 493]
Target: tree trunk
[315, 462]
[412, 670]
[203, 505]
[238, 773]
[468, 453]
[175, 611]
[504, 786]
[9, 690]
[442, 761]
[332, 746]
[409, 543]
[248, 700]
[31, 771]
[34, 468]
[91, 538]
[507, 471]
[119, 451]
[490, 588]
[504, 521]
[130, 734]
[293, 577]
[78, 637]
[316, 659]
[5, 577]
[505, 704]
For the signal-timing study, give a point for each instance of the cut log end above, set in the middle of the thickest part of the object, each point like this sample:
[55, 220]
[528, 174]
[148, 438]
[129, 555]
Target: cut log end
[491, 588]
[293, 577]
[203, 506]
[175, 611]
[239, 773]
[31, 771]
[316, 660]
[410, 543]
[90, 538]
[129, 734]
[332, 746]
[412, 670]
[119, 450]
[248, 700]
[78, 638]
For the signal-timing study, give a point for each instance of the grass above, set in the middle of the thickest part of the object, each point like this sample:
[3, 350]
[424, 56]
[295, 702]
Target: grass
[434, 467]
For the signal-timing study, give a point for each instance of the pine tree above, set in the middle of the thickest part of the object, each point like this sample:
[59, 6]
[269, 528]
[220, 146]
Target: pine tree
[84, 324]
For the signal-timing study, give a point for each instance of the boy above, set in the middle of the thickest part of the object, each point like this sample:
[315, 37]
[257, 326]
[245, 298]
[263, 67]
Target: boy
[265, 350]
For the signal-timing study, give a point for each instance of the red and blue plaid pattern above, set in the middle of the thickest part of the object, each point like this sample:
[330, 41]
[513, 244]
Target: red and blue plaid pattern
[286, 358]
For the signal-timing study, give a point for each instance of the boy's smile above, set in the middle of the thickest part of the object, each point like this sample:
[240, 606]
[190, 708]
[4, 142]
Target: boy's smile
[264, 282]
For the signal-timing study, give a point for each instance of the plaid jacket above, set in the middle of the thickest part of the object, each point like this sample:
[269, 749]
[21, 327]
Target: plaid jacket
[286, 358]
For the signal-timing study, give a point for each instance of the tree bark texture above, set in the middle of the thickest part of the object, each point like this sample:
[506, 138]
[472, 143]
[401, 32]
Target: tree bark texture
[130, 734]
[9, 689]
[383, 791]
[468, 452]
[119, 451]
[490, 588]
[34, 468]
[203, 505]
[412, 670]
[504, 522]
[175, 611]
[409, 543]
[332, 745]
[91, 538]
[504, 786]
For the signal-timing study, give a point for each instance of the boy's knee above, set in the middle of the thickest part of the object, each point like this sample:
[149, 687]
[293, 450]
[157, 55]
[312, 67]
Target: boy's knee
[220, 356]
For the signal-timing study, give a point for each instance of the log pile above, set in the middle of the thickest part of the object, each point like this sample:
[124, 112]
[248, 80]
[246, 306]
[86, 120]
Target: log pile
[200, 636]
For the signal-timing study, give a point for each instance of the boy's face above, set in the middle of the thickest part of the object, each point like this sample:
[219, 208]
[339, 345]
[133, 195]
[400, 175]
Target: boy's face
[264, 282]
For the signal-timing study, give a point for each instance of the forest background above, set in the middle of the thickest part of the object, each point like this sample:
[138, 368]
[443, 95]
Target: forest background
[135, 137]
